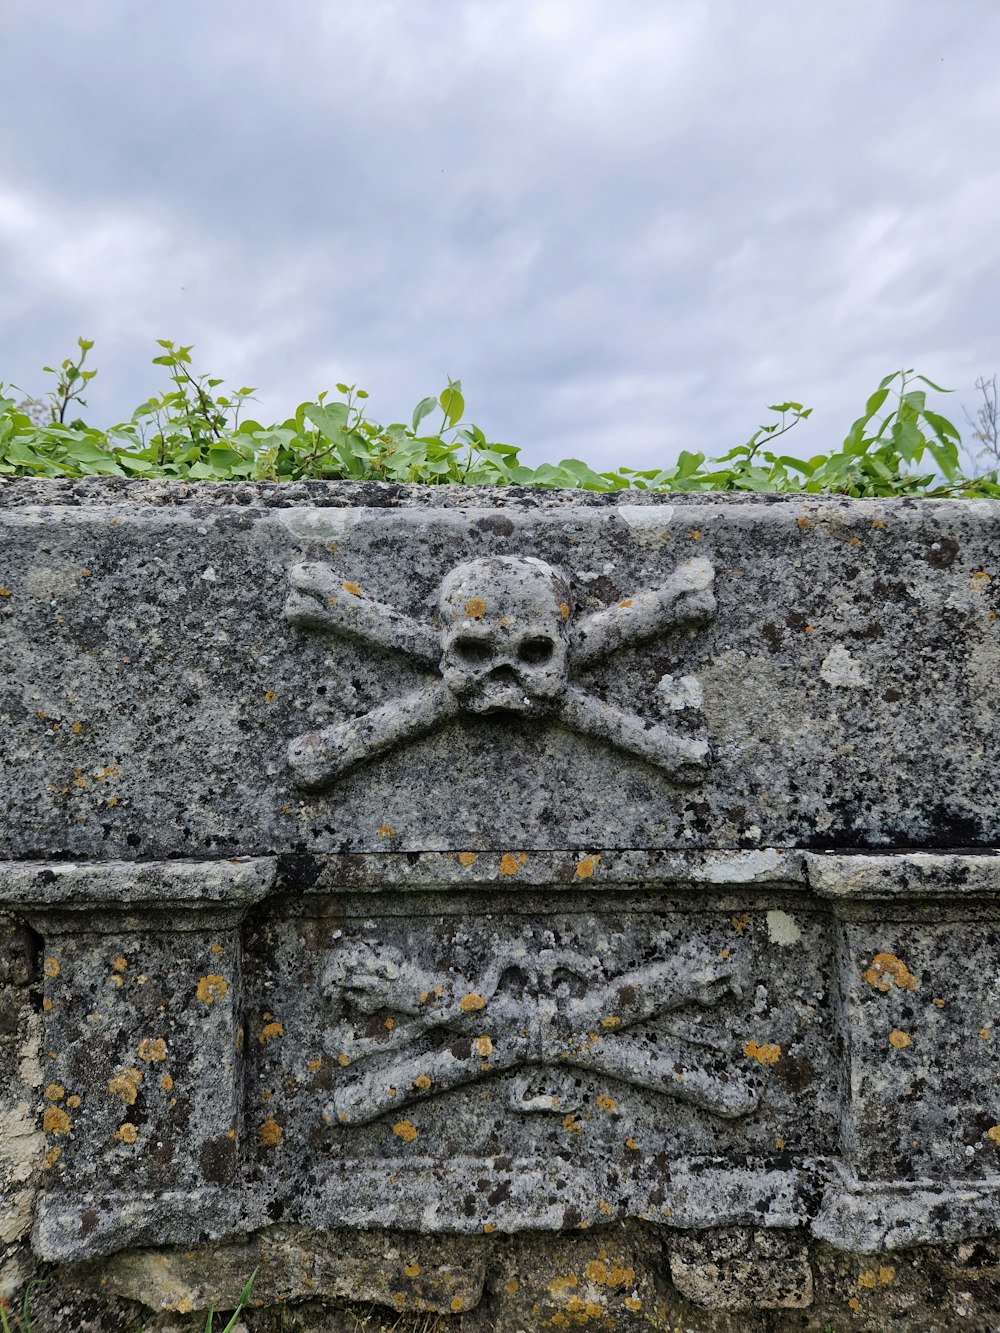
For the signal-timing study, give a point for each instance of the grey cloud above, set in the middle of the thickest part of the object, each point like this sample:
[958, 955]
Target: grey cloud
[627, 228]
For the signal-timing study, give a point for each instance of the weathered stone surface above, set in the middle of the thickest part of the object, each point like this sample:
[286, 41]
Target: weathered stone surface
[510, 911]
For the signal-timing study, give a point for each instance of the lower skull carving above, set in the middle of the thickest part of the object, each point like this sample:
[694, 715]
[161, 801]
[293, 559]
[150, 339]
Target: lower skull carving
[504, 634]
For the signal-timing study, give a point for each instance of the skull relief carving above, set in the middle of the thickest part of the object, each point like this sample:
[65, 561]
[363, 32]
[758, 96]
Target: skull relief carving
[504, 636]
[504, 642]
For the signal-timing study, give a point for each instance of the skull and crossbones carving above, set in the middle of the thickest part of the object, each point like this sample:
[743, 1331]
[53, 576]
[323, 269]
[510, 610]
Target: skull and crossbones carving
[505, 641]
[534, 1016]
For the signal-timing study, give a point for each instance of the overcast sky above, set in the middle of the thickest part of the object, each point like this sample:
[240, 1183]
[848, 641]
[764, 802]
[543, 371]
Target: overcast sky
[626, 225]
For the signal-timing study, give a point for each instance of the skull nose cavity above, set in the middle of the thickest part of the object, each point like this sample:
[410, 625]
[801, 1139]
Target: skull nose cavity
[536, 650]
[504, 675]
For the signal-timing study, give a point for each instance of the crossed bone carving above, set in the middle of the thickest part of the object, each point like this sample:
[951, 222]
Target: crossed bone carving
[506, 642]
[536, 1016]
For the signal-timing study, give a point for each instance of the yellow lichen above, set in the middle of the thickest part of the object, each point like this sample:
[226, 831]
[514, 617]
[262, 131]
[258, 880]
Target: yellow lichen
[269, 1032]
[605, 1208]
[631, 1145]
[422, 1081]
[596, 1272]
[571, 1125]
[803, 523]
[404, 1130]
[993, 1134]
[55, 1092]
[886, 1274]
[475, 608]
[466, 859]
[456, 1304]
[767, 1054]
[984, 1033]
[314, 1065]
[51, 1157]
[899, 1040]
[564, 610]
[352, 588]
[740, 923]
[269, 696]
[412, 1270]
[152, 1049]
[56, 1121]
[512, 1286]
[886, 968]
[212, 988]
[509, 864]
[343, 1060]
[389, 1024]
[119, 963]
[125, 1085]
[46, 1005]
[483, 1047]
[489, 1228]
[167, 1083]
[632, 1303]
[868, 1280]
[606, 1103]
[612, 1021]
[270, 1133]
[73, 1102]
[127, 1132]
[385, 831]
[51, 967]
[585, 868]
[471, 1002]
[694, 535]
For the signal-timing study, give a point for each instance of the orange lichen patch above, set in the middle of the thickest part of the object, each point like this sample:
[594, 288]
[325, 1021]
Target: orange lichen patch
[471, 1002]
[868, 1279]
[167, 1083]
[119, 964]
[562, 1286]
[626, 603]
[767, 1054]
[694, 535]
[854, 1303]
[126, 1086]
[46, 1005]
[51, 967]
[412, 1270]
[855, 541]
[4, 592]
[343, 1060]
[270, 1133]
[632, 1303]
[509, 864]
[938, 1001]
[779, 1144]
[564, 610]
[212, 988]
[475, 608]
[993, 1134]
[127, 1132]
[571, 1125]
[899, 1040]
[612, 1021]
[740, 923]
[389, 1024]
[73, 1102]
[586, 867]
[215, 949]
[269, 1032]
[980, 579]
[152, 1049]
[886, 968]
[489, 1228]
[51, 1157]
[631, 1145]
[112, 801]
[56, 1121]
[878, 522]
[55, 1092]
[457, 1304]
[886, 1274]
[352, 588]
[803, 523]
[483, 1047]
[984, 1033]
[605, 1208]
[314, 1065]
[404, 1130]
[512, 1286]
[466, 859]
[385, 831]
[269, 696]
[606, 1103]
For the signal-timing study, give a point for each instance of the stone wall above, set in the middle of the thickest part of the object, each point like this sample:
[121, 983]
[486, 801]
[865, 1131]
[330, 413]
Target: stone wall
[497, 910]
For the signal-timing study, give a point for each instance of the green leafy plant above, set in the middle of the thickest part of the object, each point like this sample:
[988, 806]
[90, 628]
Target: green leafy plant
[197, 431]
[243, 1302]
[18, 1323]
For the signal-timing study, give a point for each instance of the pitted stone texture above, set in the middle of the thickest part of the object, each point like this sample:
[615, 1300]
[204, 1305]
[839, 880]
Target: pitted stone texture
[846, 683]
[743, 1270]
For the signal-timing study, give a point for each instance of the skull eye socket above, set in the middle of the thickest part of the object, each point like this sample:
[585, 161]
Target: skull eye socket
[472, 650]
[535, 651]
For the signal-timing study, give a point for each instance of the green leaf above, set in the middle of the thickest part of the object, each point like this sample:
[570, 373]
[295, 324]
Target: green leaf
[452, 404]
[329, 420]
[423, 409]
